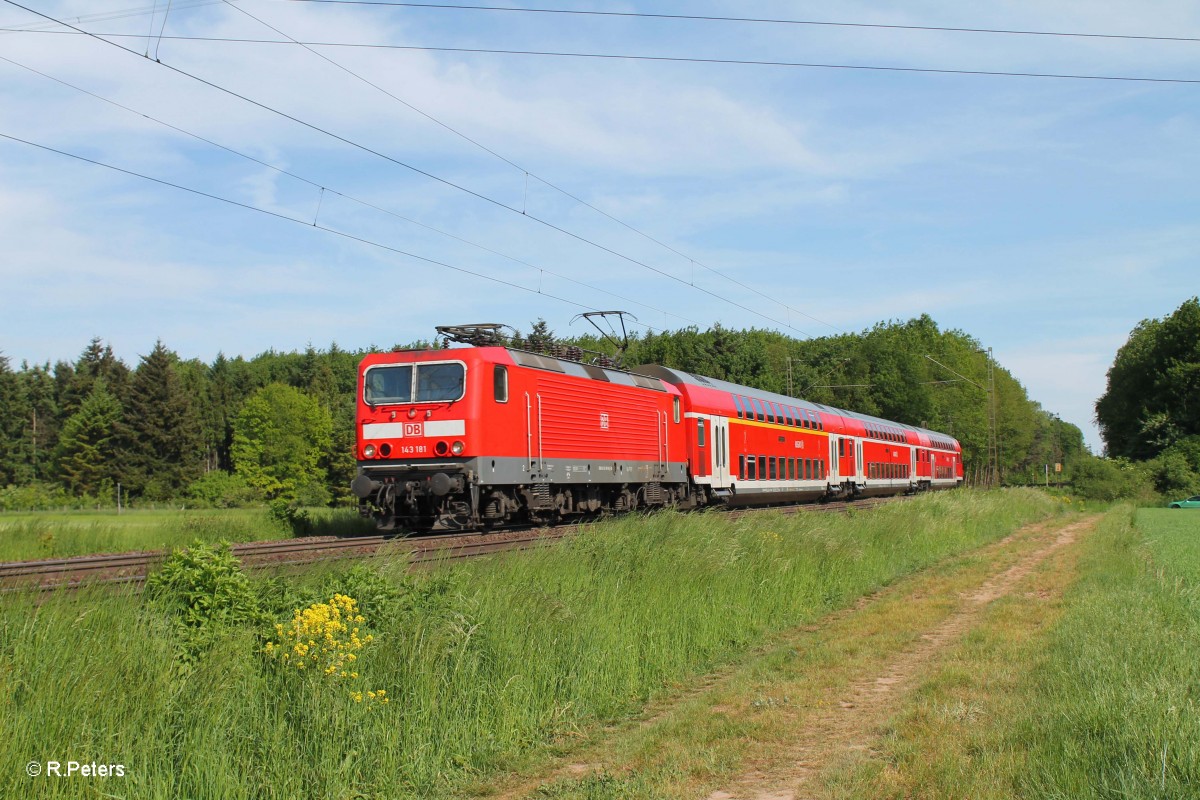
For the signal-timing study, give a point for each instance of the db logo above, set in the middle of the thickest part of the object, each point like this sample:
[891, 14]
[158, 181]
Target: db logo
[413, 429]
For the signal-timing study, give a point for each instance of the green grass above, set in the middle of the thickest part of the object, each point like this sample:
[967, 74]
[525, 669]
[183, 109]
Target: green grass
[26, 536]
[1083, 686]
[1118, 699]
[488, 664]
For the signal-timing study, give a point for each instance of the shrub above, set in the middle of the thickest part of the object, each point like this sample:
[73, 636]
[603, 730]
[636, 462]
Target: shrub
[220, 489]
[1109, 480]
[203, 591]
[295, 518]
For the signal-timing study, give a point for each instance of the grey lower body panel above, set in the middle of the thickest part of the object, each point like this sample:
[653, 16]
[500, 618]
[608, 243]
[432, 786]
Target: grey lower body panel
[515, 471]
[479, 492]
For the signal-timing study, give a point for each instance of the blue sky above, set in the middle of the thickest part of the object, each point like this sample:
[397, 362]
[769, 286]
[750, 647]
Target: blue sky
[1045, 217]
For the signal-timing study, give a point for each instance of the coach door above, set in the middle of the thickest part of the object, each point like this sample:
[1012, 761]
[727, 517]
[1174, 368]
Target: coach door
[845, 457]
[719, 450]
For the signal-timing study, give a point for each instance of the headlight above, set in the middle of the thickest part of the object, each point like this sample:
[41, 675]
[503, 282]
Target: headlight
[369, 451]
[457, 448]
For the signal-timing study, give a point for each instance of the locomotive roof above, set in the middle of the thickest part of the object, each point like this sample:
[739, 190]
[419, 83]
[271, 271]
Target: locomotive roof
[579, 369]
[679, 377]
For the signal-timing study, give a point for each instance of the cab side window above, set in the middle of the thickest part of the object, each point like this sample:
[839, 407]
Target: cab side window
[500, 383]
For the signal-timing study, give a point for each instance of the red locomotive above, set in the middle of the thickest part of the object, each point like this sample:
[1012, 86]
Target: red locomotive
[474, 437]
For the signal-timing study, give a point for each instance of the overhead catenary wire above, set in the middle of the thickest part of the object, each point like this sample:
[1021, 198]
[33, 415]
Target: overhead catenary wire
[411, 167]
[144, 10]
[303, 222]
[574, 197]
[528, 173]
[753, 20]
[523, 210]
[323, 189]
[635, 57]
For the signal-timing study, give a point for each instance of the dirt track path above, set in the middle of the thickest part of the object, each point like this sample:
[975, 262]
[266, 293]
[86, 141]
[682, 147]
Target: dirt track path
[879, 650]
[852, 723]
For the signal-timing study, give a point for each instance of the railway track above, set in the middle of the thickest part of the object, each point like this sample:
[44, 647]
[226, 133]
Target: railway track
[117, 568]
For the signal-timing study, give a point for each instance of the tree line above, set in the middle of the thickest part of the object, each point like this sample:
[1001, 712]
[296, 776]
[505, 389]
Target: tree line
[1149, 414]
[230, 432]
[281, 425]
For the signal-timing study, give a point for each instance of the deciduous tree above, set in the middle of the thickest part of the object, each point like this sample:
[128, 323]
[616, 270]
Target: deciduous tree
[280, 438]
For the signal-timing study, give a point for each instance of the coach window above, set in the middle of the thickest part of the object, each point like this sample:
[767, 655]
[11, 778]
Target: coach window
[770, 410]
[675, 407]
[500, 383]
[737, 402]
[700, 433]
[751, 473]
[741, 473]
[762, 468]
[841, 448]
[771, 464]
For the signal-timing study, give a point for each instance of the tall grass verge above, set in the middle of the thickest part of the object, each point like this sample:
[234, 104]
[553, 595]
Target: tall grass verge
[59, 535]
[484, 663]
[1116, 706]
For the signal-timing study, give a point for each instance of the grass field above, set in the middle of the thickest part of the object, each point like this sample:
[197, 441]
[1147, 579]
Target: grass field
[486, 665]
[1087, 685]
[26, 536]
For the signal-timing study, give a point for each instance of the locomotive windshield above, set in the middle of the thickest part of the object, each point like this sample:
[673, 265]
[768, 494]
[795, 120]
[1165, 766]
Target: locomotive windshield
[439, 382]
[414, 383]
[389, 385]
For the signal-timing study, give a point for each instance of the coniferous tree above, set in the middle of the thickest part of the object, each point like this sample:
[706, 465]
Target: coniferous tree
[95, 362]
[14, 419]
[45, 419]
[161, 439]
[87, 454]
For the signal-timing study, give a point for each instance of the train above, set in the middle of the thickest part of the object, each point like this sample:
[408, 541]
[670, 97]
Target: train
[490, 434]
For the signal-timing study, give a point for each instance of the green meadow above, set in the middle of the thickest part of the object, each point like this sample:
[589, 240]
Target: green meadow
[486, 666]
[76, 533]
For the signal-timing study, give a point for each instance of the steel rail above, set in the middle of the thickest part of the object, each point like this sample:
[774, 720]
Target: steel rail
[423, 551]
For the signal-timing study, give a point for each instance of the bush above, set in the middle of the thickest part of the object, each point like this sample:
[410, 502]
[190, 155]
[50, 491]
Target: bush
[297, 520]
[203, 591]
[1110, 480]
[220, 489]
[40, 497]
